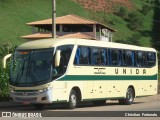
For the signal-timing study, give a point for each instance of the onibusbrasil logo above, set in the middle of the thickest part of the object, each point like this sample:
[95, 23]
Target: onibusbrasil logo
[21, 115]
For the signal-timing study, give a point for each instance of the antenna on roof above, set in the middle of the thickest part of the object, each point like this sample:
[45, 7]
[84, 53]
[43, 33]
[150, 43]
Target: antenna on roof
[54, 18]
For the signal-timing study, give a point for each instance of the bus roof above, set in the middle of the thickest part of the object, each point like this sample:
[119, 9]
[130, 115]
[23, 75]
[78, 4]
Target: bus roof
[50, 43]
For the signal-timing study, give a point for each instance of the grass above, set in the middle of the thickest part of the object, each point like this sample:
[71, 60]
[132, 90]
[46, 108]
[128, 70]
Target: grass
[16, 13]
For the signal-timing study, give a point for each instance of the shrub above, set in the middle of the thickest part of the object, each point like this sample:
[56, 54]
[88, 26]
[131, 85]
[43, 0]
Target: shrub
[4, 78]
[5, 49]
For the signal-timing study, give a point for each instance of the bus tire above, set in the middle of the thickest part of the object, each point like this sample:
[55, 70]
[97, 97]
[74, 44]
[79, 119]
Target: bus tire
[99, 102]
[72, 100]
[38, 106]
[129, 97]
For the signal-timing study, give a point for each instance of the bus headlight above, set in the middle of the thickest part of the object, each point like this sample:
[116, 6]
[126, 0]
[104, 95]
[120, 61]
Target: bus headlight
[44, 90]
[12, 91]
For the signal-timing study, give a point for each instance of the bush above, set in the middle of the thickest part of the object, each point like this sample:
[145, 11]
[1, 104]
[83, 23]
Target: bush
[5, 49]
[135, 20]
[4, 78]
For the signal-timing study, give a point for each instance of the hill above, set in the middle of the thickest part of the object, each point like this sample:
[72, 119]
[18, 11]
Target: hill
[16, 13]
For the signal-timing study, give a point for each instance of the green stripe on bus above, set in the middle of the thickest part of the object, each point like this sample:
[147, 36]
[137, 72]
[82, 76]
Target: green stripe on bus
[107, 77]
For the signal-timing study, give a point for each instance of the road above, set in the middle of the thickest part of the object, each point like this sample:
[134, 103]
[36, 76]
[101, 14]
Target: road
[145, 104]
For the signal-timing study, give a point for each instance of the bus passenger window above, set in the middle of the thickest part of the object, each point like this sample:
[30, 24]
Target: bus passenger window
[82, 56]
[64, 59]
[115, 58]
[98, 56]
[103, 55]
[128, 58]
[151, 59]
[141, 59]
[77, 56]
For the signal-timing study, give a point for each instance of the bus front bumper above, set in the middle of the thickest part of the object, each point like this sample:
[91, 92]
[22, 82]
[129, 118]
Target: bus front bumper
[32, 97]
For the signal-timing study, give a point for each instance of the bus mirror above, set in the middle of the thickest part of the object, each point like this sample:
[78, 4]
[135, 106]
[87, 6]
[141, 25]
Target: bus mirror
[5, 59]
[57, 58]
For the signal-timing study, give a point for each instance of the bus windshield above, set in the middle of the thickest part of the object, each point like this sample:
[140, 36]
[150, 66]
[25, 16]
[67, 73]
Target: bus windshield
[31, 67]
[35, 67]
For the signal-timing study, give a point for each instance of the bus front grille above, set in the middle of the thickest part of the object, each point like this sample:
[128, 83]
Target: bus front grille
[25, 93]
[24, 99]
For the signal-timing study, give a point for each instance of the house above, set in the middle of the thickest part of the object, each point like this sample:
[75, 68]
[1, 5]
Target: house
[70, 26]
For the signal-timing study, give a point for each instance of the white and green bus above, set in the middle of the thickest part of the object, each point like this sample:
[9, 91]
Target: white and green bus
[74, 70]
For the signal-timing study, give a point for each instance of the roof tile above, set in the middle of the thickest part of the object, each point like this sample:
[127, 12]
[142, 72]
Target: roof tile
[49, 35]
[69, 19]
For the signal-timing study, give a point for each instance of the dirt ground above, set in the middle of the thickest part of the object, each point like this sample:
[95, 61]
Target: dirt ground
[103, 5]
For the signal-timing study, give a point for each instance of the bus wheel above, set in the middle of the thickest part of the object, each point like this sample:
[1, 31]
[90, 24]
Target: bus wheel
[38, 106]
[99, 102]
[129, 97]
[72, 100]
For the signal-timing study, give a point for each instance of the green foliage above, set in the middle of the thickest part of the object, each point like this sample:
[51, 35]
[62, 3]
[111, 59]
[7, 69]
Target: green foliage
[133, 40]
[135, 20]
[146, 9]
[4, 78]
[122, 12]
[5, 49]
[16, 13]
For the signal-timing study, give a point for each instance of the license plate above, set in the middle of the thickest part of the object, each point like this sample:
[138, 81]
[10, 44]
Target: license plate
[26, 103]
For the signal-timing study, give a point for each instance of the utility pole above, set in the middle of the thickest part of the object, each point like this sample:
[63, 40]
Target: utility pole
[54, 19]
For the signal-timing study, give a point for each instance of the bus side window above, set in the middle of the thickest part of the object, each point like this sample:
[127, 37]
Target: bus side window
[115, 57]
[144, 59]
[141, 59]
[133, 58]
[77, 56]
[103, 55]
[82, 56]
[128, 58]
[151, 59]
[109, 57]
[64, 58]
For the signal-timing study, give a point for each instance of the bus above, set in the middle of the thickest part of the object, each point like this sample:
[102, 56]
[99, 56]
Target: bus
[73, 70]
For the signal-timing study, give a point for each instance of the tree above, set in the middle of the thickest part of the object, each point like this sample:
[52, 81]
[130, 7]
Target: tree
[133, 40]
[122, 12]
[135, 20]
[145, 9]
